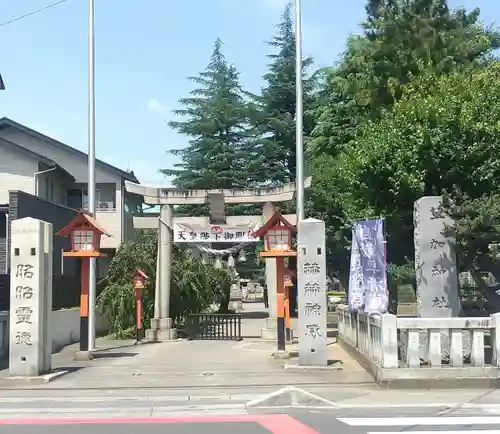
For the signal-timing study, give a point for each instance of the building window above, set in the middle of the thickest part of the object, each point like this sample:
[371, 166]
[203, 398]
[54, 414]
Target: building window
[105, 199]
[75, 198]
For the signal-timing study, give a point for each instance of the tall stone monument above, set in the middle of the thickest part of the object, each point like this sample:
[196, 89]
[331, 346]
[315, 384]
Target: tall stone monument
[30, 294]
[435, 262]
[438, 292]
[311, 281]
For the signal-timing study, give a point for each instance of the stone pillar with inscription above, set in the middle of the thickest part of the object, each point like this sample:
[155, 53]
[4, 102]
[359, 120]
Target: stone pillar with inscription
[312, 303]
[30, 335]
[436, 270]
[435, 262]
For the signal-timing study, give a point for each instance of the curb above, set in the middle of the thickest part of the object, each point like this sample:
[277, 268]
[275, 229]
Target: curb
[152, 399]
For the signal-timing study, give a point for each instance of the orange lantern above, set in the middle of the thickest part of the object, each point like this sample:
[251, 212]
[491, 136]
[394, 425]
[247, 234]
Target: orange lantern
[85, 234]
[140, 279]
[277, 233]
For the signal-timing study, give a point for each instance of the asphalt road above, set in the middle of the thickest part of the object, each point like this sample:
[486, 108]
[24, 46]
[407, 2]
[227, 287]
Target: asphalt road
[171, 428]
[290, 421]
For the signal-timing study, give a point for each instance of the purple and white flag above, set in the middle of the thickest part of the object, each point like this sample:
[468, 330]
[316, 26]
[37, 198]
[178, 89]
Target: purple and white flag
[368, 290]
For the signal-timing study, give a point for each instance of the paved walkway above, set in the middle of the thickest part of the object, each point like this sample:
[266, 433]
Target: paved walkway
[183, 364]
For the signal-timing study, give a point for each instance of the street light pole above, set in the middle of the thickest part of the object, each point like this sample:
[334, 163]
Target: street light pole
[299, 113]
[91, 173]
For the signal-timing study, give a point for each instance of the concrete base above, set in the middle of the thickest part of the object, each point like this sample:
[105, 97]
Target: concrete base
[83, 355]
[39, 379]
[152, 335]
[269, 333]
[165, 323]
[281, 355]
[167, 335]
[161, 330]
[333, 366]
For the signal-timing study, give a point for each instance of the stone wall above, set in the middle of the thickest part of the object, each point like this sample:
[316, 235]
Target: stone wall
[65, 291]
[65, 329]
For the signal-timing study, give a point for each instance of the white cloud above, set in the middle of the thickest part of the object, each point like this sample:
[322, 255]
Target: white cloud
[156, 106]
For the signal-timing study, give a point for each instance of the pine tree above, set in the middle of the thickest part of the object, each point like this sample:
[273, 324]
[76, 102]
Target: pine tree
[215, 118]
[274, 119]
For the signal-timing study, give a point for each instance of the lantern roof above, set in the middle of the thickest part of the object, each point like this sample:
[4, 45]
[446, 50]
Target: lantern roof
[276, 219]
[82, 221]
[140, 273]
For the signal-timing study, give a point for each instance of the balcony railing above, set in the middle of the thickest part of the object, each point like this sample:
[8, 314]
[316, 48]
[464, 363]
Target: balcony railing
[102, 208]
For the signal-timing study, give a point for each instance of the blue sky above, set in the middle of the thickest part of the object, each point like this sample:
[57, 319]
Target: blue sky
[144, 52]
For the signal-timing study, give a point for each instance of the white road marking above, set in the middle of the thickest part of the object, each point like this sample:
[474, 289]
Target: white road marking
[417, 421]
[465, 431]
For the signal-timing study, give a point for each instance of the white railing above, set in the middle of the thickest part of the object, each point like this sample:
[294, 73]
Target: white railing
[421, 343]
[4, 333]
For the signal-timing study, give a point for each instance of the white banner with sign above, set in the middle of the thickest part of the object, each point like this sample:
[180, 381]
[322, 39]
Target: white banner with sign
[213, 234]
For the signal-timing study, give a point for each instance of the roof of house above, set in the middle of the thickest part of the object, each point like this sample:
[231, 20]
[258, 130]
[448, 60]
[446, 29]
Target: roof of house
[42, 158]
[9, 123]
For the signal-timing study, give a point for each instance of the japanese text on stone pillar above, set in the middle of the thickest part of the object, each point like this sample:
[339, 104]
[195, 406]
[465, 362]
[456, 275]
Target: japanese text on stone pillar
[312, 307]
[23, 311]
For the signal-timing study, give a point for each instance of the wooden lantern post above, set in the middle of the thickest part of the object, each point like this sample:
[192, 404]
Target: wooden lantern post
[140, 279]
[85, 235]
[277, 233]
[288, 320]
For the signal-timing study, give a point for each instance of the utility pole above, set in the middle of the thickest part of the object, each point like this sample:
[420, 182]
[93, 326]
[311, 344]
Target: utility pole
[91, 173]
[299, 113]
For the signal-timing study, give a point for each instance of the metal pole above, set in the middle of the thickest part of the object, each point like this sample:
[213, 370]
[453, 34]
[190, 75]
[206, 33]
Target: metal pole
[299, 113]
[91, 175]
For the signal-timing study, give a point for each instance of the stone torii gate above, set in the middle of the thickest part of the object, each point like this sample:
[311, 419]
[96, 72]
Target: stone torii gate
[166, 198]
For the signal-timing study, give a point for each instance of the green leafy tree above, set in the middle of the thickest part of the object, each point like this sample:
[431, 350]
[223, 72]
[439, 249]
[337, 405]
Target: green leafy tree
[400, 41]
[476, 230]
[274, 111]
[441, 136]
[399, 38]
[194, 286]
[215, 118]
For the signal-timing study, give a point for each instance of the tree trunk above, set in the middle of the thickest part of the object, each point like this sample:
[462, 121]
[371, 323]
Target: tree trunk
[224, 303]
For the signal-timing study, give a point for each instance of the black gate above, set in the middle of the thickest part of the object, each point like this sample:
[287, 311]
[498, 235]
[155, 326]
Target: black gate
[214, 326]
